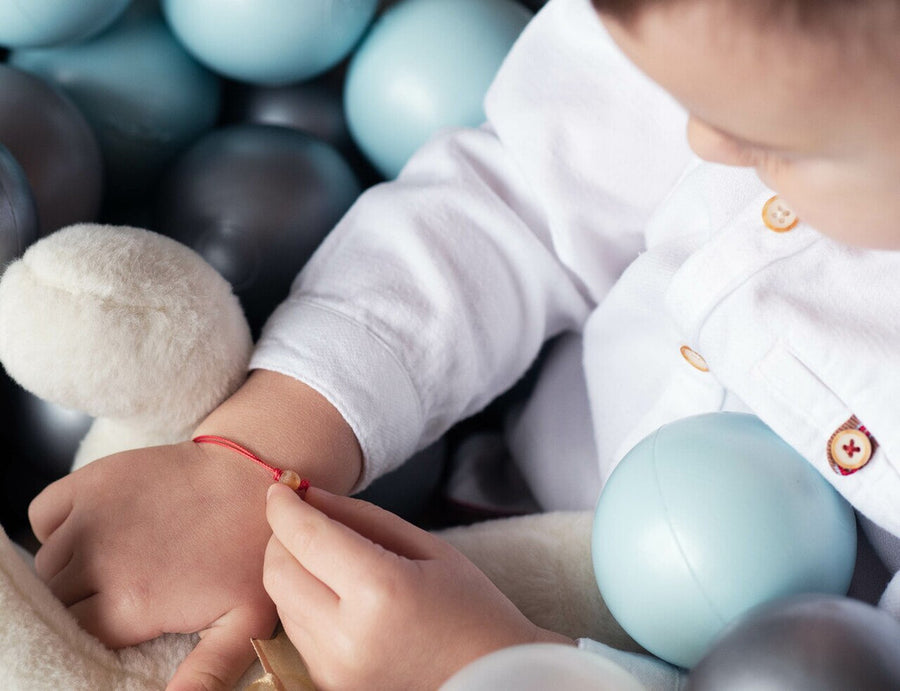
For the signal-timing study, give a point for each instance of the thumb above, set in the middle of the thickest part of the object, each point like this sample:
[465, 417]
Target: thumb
[224, 652]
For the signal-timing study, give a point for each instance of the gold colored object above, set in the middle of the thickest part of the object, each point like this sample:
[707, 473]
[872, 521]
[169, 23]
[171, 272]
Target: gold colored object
[283, 667]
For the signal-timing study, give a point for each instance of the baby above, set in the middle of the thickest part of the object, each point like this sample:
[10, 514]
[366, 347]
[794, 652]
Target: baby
[760, 278]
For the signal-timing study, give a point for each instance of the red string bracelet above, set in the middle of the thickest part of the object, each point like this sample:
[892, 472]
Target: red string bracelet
[285, 477]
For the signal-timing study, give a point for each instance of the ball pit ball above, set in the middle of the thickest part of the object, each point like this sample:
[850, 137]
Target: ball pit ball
[30, 23]
[255, 201]
[44, 434]
[809, 643]
[144, 96]
[708, 517]
[315, 106]
[542, 666]
[425, 65]
[269, 42]
[18, 214]
[55, 146]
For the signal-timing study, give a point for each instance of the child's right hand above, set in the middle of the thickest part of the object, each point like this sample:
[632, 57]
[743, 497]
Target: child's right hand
[165, 539]
[373, 602]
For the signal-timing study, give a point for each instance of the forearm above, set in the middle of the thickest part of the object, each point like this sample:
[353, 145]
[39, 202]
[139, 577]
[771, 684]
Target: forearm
[291, 426]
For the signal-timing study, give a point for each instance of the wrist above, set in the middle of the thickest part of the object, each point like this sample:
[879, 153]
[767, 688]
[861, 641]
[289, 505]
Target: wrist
[292, 427]
[227, 468]
[284, 476]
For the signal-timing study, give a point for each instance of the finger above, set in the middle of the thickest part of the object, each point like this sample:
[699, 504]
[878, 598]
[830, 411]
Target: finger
[383, 527]
[54, 555]
[70, 585]
[224, 652]
[335, 554]
[296, 592]
[330, 551]
[49, 509]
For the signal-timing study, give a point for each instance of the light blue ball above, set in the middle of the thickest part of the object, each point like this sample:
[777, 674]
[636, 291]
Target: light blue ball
[708, 517]
[144, 96]
[425, 65]
[269, 42]
[32, 23]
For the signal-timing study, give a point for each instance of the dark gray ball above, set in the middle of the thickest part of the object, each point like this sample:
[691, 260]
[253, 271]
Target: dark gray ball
[45, 435]
[806, 643]
[18, 215]
[315, 107]
[51, 140]
[255, 201]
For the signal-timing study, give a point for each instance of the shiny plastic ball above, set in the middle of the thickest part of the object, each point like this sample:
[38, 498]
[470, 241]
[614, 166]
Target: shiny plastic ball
[28, 23]
[269, 41]
[56, 148]
[425, 65]
[145, 97]
[708, 517]
[255, 201]
[809, 643]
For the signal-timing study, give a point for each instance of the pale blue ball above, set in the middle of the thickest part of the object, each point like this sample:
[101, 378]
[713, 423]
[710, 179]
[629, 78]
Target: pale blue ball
[708, 517]
[269, 42]
[30, 23]
[426, 65]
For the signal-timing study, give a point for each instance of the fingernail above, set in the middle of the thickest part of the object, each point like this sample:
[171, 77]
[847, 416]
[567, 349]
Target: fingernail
[270, 490]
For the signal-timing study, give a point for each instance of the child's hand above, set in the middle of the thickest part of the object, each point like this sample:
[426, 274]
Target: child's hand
[167, 539]
[371, 601]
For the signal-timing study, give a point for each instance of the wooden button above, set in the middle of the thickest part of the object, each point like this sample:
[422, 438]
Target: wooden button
[778, 216]
[850, 447]
[694, 359]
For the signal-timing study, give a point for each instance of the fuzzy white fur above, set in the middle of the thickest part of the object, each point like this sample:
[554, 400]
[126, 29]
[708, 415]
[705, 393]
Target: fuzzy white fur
[125, 325]
[140, 332]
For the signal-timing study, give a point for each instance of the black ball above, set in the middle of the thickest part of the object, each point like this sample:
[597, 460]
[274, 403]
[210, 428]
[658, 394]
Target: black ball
[18, 214]
[256, 201]
[315, 107]
[54, 145]
[39, 441]
[44, 435]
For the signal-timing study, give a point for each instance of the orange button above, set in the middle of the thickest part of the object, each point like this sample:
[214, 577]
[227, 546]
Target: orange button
[778, 216]
[694, 359]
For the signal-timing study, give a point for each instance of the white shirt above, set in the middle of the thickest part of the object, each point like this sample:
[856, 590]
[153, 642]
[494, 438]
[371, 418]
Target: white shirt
[579, 207]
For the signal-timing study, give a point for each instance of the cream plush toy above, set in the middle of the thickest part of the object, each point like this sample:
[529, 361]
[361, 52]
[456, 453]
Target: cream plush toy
[138, 331]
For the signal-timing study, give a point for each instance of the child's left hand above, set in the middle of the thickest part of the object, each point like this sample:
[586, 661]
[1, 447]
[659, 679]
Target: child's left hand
[371, 601]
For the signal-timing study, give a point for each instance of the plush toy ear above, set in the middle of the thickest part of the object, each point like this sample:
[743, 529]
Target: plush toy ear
[124, 324]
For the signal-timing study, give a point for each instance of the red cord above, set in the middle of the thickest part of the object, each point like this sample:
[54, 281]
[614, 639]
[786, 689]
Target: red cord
[277, 473]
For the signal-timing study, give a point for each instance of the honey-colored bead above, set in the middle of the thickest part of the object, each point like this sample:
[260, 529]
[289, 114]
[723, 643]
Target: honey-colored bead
[290, 478]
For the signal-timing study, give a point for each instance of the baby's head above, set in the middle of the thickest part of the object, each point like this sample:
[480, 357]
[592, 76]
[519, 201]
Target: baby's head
[807, 92]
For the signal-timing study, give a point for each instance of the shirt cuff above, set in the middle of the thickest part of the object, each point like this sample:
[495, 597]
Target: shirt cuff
[354, 370]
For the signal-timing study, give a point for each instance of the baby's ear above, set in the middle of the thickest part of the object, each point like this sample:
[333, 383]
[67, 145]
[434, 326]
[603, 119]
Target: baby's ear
[122, 323]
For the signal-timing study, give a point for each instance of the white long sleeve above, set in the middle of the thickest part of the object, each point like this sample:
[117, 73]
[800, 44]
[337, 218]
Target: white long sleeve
[436, 291]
